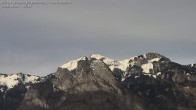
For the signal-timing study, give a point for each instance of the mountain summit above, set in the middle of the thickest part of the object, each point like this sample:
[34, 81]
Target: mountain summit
[145, 82]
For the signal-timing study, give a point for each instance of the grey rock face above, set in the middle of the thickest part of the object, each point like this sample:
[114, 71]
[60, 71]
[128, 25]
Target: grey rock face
[90, 86]
[149, 82]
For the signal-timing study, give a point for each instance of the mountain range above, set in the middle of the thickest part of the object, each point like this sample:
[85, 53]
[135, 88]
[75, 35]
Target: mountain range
[145, 82]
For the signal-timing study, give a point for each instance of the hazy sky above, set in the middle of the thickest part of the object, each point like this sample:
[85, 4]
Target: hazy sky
[39, 39]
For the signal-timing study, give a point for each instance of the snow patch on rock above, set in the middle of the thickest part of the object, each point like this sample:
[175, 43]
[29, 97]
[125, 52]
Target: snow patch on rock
[108, 61]
[124, 64]
[154, 76]
[154, 59]
[31, 78]
[112, 63]
[146, 67]
[149, 66]
[159, 73]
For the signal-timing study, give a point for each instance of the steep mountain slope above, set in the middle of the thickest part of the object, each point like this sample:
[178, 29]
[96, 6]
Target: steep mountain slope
[146, 82]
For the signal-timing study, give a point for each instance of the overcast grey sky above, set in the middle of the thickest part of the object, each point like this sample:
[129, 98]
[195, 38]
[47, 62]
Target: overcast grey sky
[39, 39]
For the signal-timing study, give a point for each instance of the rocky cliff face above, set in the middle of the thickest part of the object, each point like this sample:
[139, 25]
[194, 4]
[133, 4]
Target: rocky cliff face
[145, 82]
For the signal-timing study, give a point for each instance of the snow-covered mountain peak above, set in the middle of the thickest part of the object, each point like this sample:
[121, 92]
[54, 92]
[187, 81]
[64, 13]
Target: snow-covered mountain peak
[11, 80]
[140, 60]
[101, 57]
[124, 64]
[73, 64]
[150, 78]
[108, 61]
